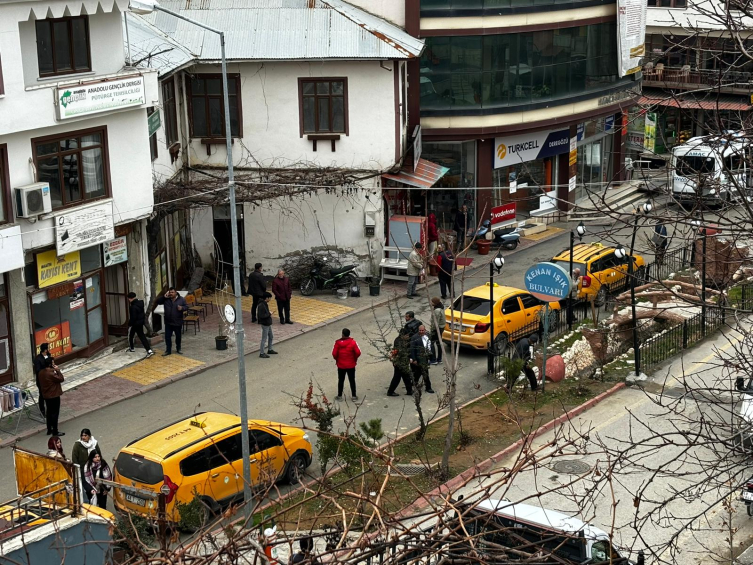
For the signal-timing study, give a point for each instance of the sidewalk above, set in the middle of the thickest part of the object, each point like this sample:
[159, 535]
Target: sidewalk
[118, 375]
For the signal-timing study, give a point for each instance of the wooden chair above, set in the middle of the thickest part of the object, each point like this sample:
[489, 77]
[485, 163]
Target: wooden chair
[201, 301]
[194, 307]
[191, 317]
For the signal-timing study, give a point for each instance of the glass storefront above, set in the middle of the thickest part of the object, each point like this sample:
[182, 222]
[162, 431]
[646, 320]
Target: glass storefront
[595, 162]
[460, 158]
[466, 72]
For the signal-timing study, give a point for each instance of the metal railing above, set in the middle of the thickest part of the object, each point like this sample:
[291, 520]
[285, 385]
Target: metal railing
[667, 263]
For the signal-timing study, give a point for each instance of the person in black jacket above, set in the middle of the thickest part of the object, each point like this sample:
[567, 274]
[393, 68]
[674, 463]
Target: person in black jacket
[175, 305]
[265, 319]
[40, 362]
[257, 286]
[411, 324]
[136, 319]
[420, 350]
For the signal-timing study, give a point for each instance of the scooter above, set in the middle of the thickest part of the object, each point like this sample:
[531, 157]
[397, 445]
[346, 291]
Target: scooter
[480, 233]
[321, 277]
[506, 238]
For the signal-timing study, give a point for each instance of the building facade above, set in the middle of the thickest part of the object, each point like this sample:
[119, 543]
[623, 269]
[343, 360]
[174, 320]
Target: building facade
[75, 179]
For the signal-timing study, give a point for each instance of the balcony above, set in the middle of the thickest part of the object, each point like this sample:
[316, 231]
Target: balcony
[686, 78]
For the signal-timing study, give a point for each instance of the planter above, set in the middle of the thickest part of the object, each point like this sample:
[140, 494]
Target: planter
[374, 290]
[483, 246]
[220, 342]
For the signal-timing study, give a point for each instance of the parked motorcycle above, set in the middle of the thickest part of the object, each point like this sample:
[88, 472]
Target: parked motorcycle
[323, 277]
[480, 233]
[506, 238]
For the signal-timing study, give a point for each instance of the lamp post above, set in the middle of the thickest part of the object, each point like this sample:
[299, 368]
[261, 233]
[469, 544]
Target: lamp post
[703, 231]
[621, 254]
[581, 229]
[144, 7]
[496, 264]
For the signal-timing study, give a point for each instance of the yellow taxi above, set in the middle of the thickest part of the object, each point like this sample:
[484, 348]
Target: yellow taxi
[203, 454]
[601, 270]
[517, 314]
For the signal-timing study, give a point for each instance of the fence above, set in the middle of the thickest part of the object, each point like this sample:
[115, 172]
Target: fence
[668, 263]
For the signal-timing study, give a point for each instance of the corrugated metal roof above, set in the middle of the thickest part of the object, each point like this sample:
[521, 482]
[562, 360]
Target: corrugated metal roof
[712, 103]
[425, 175]
[285, 30]
[151, 48]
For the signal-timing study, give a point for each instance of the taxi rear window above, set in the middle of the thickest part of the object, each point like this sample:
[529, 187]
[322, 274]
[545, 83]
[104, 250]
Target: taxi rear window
[139, 469]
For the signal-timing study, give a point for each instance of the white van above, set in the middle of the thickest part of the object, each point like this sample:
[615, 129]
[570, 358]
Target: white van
[502, 523]
[711, 169]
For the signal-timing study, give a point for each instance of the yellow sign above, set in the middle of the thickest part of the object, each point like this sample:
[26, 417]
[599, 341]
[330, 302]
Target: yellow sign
[52, 269]
[501, 150]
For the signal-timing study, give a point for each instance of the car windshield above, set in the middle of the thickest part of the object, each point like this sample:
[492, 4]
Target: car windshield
[689, 166]
[139, 469]
[472, 305]
[566, 263]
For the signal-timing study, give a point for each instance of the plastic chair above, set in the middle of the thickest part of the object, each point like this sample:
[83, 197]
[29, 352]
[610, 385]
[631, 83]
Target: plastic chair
[200, 301]
[189, 317]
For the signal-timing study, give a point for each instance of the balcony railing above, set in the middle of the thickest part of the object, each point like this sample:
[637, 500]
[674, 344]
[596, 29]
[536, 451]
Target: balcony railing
[694, 77]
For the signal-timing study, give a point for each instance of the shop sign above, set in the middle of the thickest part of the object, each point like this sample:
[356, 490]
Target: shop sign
[153, 122]
[102, 96]
[83, 227]
[115, 251]
[11, 249]
[548, 282]
[60, 290]
[581, 130]
[624, 124]
[619, 96]
[631, 35]
[77, 296]
[573, 153]
[572, 181]
[649, 140]
[504, 213]
[530, 146]
[52, 269]
[57, 336]
[608, 123]
[547, 201]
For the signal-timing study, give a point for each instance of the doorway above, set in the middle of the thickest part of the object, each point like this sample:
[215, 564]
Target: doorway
[116, 289]
[223, 249]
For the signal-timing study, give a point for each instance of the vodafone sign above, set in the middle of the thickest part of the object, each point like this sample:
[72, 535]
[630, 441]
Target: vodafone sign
[504, 213]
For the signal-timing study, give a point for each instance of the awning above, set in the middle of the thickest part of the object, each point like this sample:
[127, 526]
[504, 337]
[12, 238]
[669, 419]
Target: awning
[711, 103]
[425, 175]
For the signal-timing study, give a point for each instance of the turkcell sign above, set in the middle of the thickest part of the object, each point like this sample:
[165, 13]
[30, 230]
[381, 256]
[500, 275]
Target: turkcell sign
[531, 146]
[548, 282]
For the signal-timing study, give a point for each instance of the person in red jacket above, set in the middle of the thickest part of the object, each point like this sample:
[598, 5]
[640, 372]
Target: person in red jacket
[346, 353]
[283, 293]
[432, 235]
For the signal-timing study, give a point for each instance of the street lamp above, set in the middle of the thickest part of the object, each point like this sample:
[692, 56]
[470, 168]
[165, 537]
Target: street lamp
[581, 229]
[496, 264]
[702, 230]
[144, 7]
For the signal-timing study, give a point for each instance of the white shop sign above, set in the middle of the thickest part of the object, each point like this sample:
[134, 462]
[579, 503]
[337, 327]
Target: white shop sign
[631, 35]
[115, 251]
[83, 227]
[74, 101]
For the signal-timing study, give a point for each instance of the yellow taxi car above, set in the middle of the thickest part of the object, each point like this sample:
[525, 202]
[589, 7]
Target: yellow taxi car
[517, 314]
[601, 270]
[203, 454]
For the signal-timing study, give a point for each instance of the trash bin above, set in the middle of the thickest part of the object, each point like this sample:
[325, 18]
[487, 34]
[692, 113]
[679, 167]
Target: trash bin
[483, 246]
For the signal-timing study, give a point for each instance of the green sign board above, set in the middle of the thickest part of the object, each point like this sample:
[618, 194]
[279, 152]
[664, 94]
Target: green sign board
[154, 122]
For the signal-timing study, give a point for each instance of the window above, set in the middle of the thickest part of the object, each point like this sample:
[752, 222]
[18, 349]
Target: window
[668, 3]
[139, 469]
[63, 46]
[216, 455]
[472, 305]
[75, 165]
[511, 305]
[529, 301]
[207, 107]
[324, 105]
[261, 441]
[152, 138]
[170, 110]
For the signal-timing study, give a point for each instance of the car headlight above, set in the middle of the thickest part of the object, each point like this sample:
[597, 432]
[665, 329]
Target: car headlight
[306, 437]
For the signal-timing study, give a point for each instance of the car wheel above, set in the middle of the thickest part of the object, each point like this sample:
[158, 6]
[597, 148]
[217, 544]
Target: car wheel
[601, 296]
[501, 343]
[308, 286]
[295, 469]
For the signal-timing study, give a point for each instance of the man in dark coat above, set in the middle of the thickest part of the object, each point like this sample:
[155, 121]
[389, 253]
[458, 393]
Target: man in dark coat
[461, 226]
[283, 293]
[40, 361]
[400, 357]
[257, 286]
[420, 352]
[446, 264]
[523, 351]
[175, 305]
[136, 319]
[411, 324]
[50, 380]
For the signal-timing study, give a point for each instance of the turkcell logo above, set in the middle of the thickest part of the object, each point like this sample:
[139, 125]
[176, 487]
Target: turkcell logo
[530, 146]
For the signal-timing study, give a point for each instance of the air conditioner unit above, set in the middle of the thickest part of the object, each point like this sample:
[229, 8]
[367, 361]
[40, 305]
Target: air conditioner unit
[33, 200]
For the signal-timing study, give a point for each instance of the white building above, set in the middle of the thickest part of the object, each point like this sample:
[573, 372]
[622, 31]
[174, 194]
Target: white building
[73, 118]
[315, 86]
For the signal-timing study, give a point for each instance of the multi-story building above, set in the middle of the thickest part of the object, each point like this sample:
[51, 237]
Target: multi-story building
[75, 179]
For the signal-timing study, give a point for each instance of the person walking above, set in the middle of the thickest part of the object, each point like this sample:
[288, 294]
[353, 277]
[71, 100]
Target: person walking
[265, 319]
[446, 264]
[283, 293]
[257, 287]
[415, 264]
[420, 352]
[400, 357]
[136, 319]
[83, 447]
[524, 351]
[346, 353]
[411, 324]
[461, 227]
[174, 305]
[96, 468]
[660, 240]
[432, 234]
[50, 379]
[55, 448]
[39, 363]
[435, 335]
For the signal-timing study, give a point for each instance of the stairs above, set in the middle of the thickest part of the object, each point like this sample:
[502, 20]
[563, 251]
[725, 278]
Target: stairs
[601, 207]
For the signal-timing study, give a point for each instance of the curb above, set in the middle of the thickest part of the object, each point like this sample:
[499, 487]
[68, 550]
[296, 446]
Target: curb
[164, 382]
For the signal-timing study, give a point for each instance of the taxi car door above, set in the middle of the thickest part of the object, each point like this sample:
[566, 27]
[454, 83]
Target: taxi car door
[268, 456]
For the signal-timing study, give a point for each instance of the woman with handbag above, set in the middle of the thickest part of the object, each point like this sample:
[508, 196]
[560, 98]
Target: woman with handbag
[96, 469]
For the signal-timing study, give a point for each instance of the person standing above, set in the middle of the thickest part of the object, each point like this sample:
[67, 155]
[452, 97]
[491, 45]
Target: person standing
[96, 468]
[524, 351]
[411, 324]
[257, 287]
[175, 305]
[50, 379]
[346, 353]
[435, 335]
[283, 293]
[83, 447]
[446, 266]
[660, 240]
[461, 226]
[432, 234]
[400, 357]
[415, 264]
[420, 352]
[572, 299]
[265, 319]
[136, 318]
[39, 363]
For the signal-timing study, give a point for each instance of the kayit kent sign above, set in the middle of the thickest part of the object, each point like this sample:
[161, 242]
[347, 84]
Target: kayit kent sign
[93, 98]
[548, 282]
[531, 146]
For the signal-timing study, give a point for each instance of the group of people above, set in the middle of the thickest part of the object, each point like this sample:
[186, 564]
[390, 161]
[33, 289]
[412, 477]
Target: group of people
[87, 455]
[260, 312]
[444, 259]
